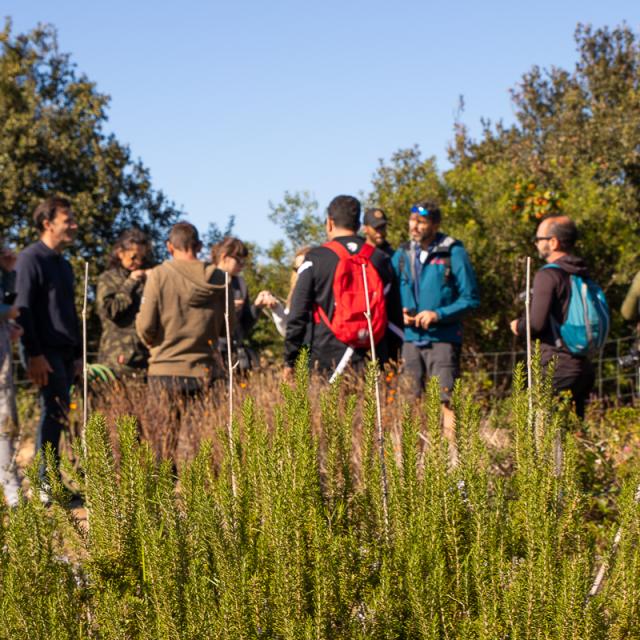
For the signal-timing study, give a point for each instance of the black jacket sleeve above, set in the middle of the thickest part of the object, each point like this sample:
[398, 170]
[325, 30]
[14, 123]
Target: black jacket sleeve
[27, 287]
[544, 285]
[300, 314]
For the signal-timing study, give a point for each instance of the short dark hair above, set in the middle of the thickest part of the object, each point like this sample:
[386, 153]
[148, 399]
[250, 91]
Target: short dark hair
[184, 237]
[432, 207]
[48, 209]
[127, 239]
[345, 212]
[564, 230]
[229, 246]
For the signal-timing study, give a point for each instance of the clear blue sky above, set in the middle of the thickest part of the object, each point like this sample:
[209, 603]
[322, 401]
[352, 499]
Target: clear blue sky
[230, 104]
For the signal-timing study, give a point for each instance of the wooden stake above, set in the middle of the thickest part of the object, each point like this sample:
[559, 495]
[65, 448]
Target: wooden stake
[227, 282]
[85, 379]
[383, 466]
[527, 306]
[85, 376]
[597, 583]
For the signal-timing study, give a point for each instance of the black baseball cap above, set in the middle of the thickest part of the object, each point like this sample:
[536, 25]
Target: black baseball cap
[375, 218]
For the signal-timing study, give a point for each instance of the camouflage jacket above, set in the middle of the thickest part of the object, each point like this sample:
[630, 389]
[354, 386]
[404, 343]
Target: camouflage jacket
[118, 301]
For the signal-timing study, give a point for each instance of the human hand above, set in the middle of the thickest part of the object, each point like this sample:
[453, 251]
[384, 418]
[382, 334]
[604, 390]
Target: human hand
[513, 325]
[13, 313]
[78, 367]
[407, 317]
[139, 275]
[266, 299]
[38, 370]
[7, 259]
[425, 319]
[15, 332]
[238, 304]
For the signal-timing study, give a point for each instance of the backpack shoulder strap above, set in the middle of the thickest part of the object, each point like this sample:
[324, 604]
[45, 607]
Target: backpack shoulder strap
[444, 248]
[405, 255]
[366, 251]
[338, 248]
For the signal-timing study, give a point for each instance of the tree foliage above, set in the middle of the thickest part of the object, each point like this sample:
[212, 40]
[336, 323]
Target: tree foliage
[573, 149]
[53, 122]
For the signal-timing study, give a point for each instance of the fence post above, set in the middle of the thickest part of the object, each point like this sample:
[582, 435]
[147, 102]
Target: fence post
[600, 372]
[618, 369]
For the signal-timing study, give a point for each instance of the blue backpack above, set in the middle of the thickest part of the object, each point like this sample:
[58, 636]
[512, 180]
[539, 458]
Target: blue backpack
[586, 326]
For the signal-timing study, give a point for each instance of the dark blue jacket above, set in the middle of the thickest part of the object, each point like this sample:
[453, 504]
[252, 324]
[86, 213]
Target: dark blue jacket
[46, 301]
[446, 284]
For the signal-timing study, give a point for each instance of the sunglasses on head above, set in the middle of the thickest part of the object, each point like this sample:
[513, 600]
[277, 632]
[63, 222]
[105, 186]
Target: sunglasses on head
[421, 210]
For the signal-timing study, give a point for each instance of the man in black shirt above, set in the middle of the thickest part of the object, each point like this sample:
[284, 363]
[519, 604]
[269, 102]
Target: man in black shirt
[314, 289]
[374, 228]
[48, 316]
[555, 240]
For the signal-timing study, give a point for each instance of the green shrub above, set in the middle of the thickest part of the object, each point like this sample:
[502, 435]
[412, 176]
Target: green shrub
[303, 548]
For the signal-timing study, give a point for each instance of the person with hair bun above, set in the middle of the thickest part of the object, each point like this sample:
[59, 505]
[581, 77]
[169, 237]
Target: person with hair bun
[230, 255]
[118, 301]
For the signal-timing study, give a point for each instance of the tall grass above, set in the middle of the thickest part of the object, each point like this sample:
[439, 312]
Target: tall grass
[301, 550]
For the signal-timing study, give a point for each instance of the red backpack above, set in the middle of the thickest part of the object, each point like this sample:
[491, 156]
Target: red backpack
[349, 322]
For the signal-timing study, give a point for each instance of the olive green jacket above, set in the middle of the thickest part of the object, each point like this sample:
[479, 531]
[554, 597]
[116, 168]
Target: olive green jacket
[118, 301]
[630, 305]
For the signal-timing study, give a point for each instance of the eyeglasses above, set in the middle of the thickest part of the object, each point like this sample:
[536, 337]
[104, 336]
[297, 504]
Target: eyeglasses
[421, 210]
[538, 238]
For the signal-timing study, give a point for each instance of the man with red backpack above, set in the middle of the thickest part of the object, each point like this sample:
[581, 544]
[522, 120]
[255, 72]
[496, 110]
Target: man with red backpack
[334, 283]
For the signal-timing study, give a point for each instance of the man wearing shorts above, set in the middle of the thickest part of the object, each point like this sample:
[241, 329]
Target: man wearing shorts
[437, 288]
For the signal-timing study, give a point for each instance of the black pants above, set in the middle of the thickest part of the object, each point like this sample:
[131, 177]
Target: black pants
[579, 384]
[55, 400]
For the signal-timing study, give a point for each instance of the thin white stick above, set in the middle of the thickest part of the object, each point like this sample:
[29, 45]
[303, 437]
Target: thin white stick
[85, 377]
[383, 466]
[227, 283]
[527, 306]
[597, 583]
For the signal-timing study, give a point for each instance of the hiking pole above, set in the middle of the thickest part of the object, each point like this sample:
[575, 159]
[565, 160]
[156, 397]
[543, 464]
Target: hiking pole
[527, 307]
[597, 583]
[227, 283]
[383, 467]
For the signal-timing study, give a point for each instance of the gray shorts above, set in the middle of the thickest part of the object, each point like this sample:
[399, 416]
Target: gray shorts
[440, 359]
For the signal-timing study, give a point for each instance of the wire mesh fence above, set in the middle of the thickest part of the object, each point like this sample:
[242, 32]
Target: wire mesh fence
[493, 371]
[615, 380]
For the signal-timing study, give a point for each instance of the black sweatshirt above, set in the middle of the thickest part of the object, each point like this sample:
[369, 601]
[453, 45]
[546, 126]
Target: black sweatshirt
[550, 298]
[46, 302]
[315, 286]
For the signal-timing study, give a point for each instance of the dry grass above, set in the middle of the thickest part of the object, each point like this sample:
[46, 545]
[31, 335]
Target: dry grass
[176, 429]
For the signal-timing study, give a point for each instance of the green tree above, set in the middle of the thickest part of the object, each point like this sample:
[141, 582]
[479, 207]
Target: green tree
[572, 149]
[298, 217]
[54, 141]
[397, 185]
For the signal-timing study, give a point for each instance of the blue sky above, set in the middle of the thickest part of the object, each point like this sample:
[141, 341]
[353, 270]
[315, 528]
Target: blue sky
[231, 104]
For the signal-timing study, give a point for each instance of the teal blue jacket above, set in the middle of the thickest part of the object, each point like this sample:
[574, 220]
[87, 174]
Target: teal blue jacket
[446, 284]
